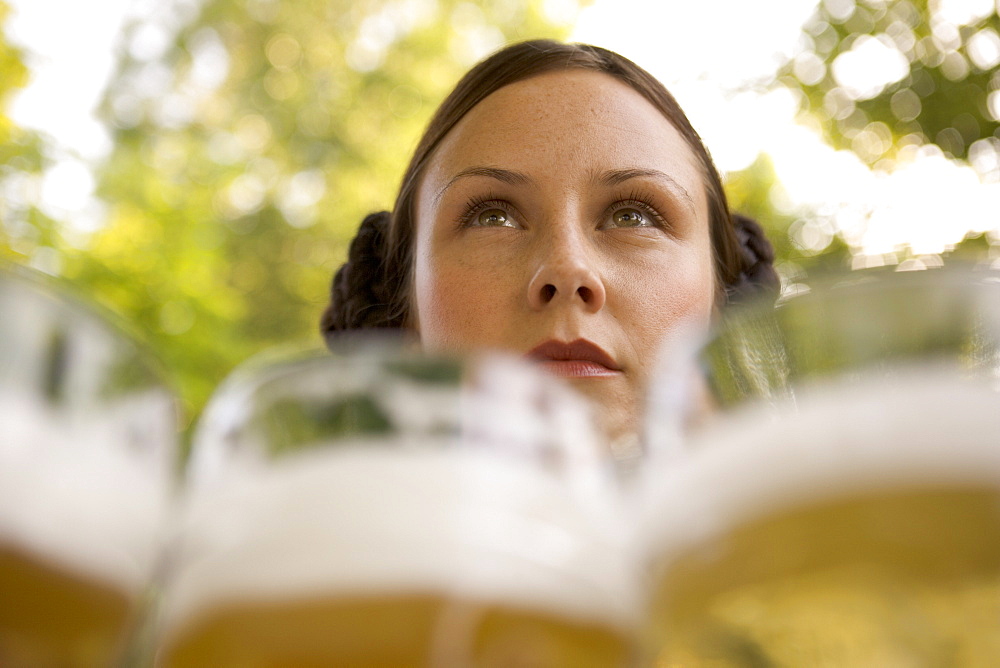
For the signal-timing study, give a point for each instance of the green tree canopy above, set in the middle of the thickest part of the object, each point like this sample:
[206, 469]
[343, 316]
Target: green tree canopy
[887, 80]
[878, 75]
[250, 140]
[24, 230]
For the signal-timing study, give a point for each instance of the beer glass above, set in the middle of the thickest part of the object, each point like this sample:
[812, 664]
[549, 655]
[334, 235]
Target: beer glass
[382, 508]
[838, 502]
[87, 436]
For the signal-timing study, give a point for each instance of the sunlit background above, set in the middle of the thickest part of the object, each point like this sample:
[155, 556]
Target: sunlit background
[200, 165]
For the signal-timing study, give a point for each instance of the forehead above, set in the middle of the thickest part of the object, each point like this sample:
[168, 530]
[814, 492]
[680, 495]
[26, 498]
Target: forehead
[578, 120]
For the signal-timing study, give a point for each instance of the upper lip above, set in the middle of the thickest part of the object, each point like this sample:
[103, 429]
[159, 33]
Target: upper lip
[578, 350]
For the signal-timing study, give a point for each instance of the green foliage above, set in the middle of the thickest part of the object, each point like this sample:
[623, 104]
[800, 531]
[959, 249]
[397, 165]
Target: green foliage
[247, 154]
[13, 73]
[295, 424]
[749, 192]
[23, 228]
[753, 191]
[431, 371]
[943, 97]
[949, 76]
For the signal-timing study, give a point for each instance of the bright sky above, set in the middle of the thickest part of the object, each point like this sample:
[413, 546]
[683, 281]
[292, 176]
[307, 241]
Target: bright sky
[703, 51]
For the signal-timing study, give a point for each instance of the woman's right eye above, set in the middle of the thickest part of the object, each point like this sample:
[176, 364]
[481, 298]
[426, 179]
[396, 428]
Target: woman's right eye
[492, 218]
[488, 212]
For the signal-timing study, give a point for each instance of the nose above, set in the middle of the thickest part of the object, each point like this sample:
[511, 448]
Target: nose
[566, 275]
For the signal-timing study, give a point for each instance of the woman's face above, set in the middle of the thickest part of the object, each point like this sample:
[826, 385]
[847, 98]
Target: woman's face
[564, 218]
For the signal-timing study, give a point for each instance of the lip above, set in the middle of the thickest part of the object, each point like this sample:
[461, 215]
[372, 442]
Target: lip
[576, 359]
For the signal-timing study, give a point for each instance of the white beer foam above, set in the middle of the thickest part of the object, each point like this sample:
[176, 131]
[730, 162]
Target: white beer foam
[925, 427]
[82, 505]
[378, 520]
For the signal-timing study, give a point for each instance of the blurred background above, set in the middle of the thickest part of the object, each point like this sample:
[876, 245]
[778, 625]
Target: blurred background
[200, 166]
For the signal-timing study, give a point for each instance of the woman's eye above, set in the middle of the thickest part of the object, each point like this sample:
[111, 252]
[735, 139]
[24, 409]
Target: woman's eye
[629, 217]
[493, 218]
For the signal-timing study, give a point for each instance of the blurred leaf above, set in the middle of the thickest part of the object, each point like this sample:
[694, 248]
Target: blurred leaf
[24, 230]
[296, 424]
[754, 191]
[246, 155]
[928, 78]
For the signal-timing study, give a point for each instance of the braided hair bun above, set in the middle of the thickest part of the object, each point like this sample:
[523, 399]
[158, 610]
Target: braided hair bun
[363, 292]
[757, 276]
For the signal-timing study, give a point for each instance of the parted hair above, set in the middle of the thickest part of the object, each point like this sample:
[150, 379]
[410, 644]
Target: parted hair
[373, 288]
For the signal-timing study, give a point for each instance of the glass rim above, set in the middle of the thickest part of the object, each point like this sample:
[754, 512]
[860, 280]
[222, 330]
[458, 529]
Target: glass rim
[79, 305]
[849, 323]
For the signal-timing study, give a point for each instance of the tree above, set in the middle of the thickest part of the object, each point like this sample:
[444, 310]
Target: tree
[250, 140]
[879, 75]
[887, 80]
[24, 230]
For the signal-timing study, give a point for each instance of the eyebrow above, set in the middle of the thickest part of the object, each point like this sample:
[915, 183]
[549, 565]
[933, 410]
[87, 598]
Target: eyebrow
[614, 177]
[508, 176]
[611, 177]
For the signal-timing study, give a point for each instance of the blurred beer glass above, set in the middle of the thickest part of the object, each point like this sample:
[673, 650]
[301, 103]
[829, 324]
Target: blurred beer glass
[838, 502]
[87, 433]
[383, 509]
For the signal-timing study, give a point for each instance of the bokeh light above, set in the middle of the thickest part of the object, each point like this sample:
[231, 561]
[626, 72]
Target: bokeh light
[879, 196]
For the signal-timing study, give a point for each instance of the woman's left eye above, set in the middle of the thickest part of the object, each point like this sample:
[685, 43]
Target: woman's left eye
[493, 218]
[629, 218]
[625, 215]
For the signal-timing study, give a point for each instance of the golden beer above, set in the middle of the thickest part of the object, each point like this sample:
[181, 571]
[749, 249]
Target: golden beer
[51, 616]
[404, 630]
[87, 437]
[79, 539]
[373, 556]
[862, 530]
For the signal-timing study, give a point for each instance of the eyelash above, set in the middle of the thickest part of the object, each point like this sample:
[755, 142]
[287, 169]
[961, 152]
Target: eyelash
[479, 203]
[635, 199]
[638, 199]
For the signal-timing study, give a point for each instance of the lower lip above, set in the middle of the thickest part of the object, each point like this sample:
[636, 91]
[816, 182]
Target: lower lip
[577, 369]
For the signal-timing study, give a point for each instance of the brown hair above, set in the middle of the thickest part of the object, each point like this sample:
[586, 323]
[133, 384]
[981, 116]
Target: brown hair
[373, 288]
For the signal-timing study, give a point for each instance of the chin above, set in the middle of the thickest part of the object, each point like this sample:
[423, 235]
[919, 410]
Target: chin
[614, 410]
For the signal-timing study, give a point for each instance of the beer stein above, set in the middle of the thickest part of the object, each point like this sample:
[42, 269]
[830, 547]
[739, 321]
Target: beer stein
[382, 508]
[835, 499]
[87, 446]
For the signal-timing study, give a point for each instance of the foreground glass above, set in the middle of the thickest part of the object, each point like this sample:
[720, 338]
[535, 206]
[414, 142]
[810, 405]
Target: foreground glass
[840, 502]
[384, 509]
[86, 445]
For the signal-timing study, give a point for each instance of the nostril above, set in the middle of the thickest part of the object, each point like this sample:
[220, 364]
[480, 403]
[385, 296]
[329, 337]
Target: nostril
[586, 294]
[548, 292]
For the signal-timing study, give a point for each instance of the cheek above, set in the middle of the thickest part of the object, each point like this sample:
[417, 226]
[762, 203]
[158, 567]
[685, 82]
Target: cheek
[455, 301]
[664, 293]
